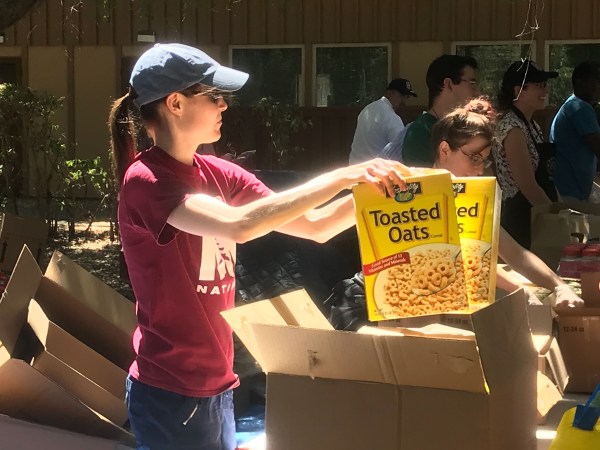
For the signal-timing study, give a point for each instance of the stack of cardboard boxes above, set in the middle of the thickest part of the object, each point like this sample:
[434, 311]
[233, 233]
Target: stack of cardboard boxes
[445, 380]
[65, 346]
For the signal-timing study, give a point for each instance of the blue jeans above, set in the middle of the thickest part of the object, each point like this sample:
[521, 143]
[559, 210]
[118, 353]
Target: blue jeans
[164, 420]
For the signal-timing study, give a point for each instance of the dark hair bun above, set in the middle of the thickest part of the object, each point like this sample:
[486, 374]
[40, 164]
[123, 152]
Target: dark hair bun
[481, 105]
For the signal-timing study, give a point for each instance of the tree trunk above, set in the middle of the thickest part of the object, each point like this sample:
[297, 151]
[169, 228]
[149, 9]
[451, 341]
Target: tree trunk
[13, 10]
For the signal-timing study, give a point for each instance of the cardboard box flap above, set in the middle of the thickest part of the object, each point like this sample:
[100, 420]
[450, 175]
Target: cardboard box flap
[504, 338]
[88, 309]
[76, 355]
[436, 363]
[297, 308]
[554, 358]
[321, 353]
[590, 288]
[548, 395]
[19, 434]
[240, 318]
[31, 228]
[541, 342]
[577, 312]
[439, 331]
[16, 231]
[20, 289]
[29, 395]
[540, 319]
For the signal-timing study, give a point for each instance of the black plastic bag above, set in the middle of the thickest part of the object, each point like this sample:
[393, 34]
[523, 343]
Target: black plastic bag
[346, 304]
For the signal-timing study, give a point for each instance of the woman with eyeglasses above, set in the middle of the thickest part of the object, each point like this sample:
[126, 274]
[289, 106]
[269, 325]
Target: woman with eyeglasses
[180, 216]
[462, 141]
[520, 152]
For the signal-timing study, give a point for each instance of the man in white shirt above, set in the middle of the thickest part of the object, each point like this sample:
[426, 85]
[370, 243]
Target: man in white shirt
[378, 123]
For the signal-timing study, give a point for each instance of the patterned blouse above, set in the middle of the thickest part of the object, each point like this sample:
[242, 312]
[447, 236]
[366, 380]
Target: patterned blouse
[505, 124]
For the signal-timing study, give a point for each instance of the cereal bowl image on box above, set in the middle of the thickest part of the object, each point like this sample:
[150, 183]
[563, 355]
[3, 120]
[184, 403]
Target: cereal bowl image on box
[410, 248]
[431, 281]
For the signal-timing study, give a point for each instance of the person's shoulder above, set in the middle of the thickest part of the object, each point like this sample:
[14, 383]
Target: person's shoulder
[421, 124]
[216, 164]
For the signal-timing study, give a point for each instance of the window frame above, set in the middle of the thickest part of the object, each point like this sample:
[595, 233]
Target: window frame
[302, 83]
[17, 61]
[313, 96]
[550, 42]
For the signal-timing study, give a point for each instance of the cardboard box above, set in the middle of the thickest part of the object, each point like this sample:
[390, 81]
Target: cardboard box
[47, 375]
[579, 336]
[552, 373]
[330, 390]
[89, 376]
[18, 434]
[579, 340]
[590, 288]
[18, 231]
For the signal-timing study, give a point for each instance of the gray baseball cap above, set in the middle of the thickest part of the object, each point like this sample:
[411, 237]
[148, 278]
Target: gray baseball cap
[168, 68]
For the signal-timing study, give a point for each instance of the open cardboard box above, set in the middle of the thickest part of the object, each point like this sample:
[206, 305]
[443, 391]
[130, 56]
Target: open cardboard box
[50, 371]
[579, 336]
[552, 372]
[329, 390]
[17, 231]
[18, 434]
[552, 375]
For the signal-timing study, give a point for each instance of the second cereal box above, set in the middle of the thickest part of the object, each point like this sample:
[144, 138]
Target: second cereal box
[478, 201]
[410, 248]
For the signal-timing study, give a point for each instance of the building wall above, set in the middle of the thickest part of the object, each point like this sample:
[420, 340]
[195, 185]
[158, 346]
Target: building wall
[75, 49]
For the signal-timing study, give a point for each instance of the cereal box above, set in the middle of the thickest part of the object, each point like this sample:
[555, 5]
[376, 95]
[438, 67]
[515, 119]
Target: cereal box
[478, 201]
[410, 248]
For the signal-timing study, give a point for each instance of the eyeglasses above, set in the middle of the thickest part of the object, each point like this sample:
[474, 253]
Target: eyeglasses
[477, 159]
[471, 82]
[213, 96]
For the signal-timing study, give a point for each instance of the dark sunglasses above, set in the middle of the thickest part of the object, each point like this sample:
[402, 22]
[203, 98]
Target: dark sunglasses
[214, 96]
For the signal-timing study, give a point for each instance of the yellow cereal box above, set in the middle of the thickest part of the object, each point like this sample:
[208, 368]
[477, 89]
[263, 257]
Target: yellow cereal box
[478, 201]
[410, 248]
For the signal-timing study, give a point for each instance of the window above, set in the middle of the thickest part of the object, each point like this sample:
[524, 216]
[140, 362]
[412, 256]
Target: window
[563, 57]
[493, 59]
[127, 63]
[350, 75]
[10, 70]
[274, 72]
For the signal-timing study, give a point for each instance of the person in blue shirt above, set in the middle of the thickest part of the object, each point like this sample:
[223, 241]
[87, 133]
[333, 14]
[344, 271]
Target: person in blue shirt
[576, 133]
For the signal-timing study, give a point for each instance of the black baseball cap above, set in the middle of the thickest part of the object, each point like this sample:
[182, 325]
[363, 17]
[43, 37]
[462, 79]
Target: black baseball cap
[525, 71]
[401, 85]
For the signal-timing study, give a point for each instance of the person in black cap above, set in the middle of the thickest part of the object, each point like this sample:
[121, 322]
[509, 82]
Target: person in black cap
[379, 123]
[180, 216]
[524, 178]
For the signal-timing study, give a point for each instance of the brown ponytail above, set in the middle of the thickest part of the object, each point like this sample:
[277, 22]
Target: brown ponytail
[123, 136]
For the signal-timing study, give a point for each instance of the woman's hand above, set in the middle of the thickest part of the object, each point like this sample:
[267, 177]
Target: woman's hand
[382, 173]
[566, 297]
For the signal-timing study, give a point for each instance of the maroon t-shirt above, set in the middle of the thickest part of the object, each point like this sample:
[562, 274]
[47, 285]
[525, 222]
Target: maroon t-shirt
[181, 281]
